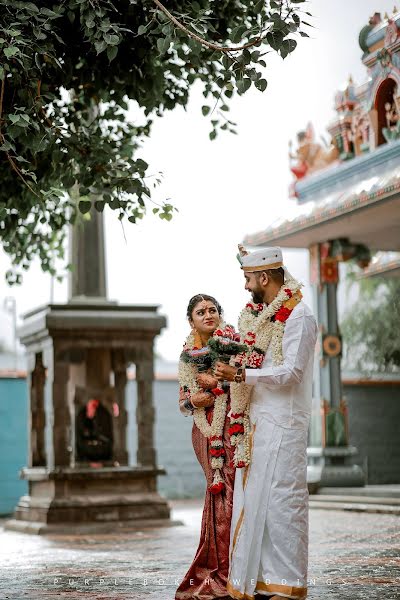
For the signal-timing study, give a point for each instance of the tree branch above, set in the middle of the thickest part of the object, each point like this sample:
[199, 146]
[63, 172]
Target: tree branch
[201, 40]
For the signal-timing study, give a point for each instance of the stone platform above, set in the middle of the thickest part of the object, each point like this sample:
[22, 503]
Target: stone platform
[81, 499]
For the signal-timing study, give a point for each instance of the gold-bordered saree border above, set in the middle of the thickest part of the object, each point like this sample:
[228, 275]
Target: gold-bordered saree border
[273, 588]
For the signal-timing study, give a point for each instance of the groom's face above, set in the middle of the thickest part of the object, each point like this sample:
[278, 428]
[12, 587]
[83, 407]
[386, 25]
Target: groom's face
[253, 285]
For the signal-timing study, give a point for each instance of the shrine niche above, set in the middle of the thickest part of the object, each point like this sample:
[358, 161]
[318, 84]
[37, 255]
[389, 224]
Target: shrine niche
[387, 105]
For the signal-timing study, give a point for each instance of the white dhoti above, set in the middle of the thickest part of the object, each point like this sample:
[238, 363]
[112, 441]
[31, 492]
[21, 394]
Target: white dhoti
[269, 532]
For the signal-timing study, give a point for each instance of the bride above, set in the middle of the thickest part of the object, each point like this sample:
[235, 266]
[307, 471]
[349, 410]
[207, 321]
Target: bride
[201, 396]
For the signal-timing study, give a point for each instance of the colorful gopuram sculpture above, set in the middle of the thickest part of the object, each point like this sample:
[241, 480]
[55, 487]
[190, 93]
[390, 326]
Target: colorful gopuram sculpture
[367, 115]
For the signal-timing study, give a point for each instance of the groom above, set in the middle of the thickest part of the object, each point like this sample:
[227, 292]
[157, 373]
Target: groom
[269, 532]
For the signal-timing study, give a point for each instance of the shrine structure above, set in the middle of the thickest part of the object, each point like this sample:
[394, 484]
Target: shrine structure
[347, 206]
[78, 471]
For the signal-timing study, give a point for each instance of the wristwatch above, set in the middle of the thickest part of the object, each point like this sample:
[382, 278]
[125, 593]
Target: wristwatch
[188, 405]
[239, 375]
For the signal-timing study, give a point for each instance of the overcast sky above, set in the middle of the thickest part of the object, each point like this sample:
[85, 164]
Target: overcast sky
[226, 188]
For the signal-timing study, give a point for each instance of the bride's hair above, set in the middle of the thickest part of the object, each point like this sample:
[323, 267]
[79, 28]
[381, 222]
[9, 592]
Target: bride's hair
[198, 298]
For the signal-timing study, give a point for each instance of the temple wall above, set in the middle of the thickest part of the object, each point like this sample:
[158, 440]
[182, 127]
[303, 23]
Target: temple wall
[374, 417]
[13, 441]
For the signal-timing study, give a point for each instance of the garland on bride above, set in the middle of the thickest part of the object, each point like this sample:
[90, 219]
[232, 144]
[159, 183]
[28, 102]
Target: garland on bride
[260, 327]
[194, 360]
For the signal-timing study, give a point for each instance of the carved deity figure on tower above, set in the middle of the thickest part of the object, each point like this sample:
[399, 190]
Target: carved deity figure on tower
[392, 113]
[310, 156]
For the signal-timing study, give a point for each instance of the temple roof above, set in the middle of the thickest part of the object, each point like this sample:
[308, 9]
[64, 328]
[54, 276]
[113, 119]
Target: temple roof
[366, 211]
[384, 264]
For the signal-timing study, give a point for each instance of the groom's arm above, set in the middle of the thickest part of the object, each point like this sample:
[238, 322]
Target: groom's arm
[298, 347]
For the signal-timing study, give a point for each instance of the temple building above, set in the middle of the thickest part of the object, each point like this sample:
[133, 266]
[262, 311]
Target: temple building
[347, 200]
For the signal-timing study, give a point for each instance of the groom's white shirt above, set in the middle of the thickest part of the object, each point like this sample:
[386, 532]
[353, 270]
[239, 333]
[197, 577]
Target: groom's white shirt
[269, 532]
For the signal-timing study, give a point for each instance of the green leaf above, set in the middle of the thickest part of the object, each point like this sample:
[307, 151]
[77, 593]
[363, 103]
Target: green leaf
[84, 206]
[287, 47]
[142, 29]
[243, 85]
[212, 135]
[11, 51]
[205, 110]
[14, 118]
[261, 85]
[112, 52]
[100, 46]
[141, 164]
[275, 39]
[163, 44]
[1, 73]
[99, 205]
[111, 39]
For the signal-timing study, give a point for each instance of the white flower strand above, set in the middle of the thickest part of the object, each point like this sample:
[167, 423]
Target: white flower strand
[187, 378]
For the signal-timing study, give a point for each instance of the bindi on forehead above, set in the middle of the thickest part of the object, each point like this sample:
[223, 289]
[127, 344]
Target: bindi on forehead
[204, 305]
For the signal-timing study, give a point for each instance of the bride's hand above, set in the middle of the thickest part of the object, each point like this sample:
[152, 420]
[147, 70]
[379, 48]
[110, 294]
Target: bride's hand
[207, 381]
[202, 400]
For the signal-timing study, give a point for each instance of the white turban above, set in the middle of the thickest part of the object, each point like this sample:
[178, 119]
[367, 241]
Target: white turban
[262, 259]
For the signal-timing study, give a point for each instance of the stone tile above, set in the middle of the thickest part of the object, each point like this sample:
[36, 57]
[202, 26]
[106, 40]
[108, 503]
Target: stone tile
[352, 555]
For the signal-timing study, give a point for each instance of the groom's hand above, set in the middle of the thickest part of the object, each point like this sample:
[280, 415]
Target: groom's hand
[224, 372]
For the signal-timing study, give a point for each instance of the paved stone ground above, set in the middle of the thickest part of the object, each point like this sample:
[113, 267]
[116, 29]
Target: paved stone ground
[352, 555]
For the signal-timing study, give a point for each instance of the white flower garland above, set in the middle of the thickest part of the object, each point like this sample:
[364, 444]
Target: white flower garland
[264, 333]
[214, 430]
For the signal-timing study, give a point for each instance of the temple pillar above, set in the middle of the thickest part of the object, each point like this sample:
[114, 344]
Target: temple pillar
[330, 454]
[36, 383]
[146, 454]
[120, 415]
[61, 416]
[87, 280]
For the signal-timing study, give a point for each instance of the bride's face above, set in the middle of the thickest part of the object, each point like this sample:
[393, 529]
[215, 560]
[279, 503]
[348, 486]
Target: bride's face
[205, 317]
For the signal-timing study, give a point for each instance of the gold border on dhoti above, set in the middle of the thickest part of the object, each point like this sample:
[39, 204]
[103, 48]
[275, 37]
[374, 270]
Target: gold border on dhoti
[289, 590]
[245, 476]
[250, 269]
[236, 594]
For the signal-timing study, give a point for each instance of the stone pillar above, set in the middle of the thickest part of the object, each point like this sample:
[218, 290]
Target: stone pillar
[87, 280]
[146, 454]
[37, 451]
[120, 417]
[61, 416]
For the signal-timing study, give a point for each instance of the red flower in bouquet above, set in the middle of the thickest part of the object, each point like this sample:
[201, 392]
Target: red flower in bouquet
[282, 314]
[217, 391]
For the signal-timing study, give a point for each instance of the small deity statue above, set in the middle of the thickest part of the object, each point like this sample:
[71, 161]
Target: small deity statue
[392, 130]
[391, 115]
[310, 156]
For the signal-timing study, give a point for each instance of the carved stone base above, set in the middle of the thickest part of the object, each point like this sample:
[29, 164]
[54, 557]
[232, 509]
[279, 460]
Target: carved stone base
[91, 497]
[331, 467]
